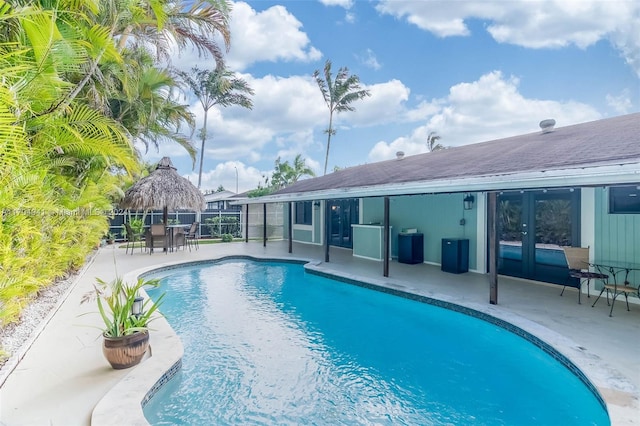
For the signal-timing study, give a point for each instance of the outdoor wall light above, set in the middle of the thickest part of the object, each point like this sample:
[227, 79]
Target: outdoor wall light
[136, 308]
[316, 204]
[468, 201]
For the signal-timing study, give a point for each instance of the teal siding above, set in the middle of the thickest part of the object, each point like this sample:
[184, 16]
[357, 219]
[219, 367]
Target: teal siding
[302, 235]
[436, 216]
[372, 210]
[616, 236]
[306, 235]
[367, 242]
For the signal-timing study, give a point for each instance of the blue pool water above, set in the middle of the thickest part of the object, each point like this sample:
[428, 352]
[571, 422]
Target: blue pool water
[267, 344]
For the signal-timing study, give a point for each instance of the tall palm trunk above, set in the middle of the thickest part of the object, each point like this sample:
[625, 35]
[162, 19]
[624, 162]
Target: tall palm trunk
[330, 132]
[338, 95]
[204, 138]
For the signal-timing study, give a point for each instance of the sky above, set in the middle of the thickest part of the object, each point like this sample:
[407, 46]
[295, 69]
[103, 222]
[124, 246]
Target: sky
[470, 71]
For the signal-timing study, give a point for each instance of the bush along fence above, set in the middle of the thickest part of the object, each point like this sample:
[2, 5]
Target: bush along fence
[213, 223]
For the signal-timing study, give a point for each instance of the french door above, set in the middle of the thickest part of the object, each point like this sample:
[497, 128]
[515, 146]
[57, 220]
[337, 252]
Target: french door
[342, 214]
[532, 228]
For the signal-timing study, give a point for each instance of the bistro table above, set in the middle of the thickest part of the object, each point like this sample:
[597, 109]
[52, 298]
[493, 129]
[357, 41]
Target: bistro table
[173, 231]
[614, 269]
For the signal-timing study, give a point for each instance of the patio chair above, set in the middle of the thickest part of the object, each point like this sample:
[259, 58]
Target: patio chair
[157, 237]
[132, 238]
[178, 238]
[192, 236]
[578, 262]
[616, 290]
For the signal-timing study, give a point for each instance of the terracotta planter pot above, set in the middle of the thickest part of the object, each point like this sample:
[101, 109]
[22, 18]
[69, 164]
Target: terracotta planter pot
[126, 351]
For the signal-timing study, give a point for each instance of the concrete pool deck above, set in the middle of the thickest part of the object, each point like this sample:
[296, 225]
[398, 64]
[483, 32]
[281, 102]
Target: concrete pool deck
[62, 375]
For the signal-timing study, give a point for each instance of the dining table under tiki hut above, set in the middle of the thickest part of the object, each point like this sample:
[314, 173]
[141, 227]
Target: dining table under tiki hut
[163, 189]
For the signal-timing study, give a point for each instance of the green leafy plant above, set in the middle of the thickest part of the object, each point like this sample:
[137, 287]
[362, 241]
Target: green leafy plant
[220, 225]
[74, 93]
[227, 238]
[137, 226]
[115, 303]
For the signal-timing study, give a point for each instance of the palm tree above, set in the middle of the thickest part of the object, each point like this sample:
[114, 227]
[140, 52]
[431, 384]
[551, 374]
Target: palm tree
[286, 174]
[218, 87]
[338, 94]
[60, 160]
[161, 23]
[300, 169]
[146, 106]
[111, 27]
[432, 142]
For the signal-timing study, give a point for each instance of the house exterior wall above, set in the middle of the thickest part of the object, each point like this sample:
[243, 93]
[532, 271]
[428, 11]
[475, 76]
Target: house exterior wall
[310, 234]
[435, 216]
[302, 235]
[368, 241]
[372, 210]
[616, 236]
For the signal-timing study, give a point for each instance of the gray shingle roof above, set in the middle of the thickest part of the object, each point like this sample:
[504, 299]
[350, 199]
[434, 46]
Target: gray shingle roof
[603, 142]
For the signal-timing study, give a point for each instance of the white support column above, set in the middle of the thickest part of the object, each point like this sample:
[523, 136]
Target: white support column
[588, 225]
[481, 233]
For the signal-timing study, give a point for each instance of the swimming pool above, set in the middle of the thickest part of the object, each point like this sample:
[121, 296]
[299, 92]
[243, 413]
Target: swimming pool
[267, 343]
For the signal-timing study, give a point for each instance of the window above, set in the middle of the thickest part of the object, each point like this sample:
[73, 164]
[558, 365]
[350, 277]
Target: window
[624, 199]
[215, 205]
[303, 213]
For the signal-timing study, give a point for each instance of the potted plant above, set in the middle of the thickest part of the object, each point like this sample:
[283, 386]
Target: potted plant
[111, 238]
[126, 316]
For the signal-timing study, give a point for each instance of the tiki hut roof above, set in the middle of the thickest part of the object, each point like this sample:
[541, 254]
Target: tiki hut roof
[164, 188]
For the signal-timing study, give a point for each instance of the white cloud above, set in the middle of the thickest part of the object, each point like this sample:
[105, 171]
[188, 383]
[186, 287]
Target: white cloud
[168, 149]
[385, 105]
[286, 103]
[342, 3]
[486, 109]
[424, 109]
[368, 58]
[268, 36]
[621, 103]
[414, 144]
[230, 134]
[349, 17]
[538, 24]
[286, 112]
[225, 174]
[271, 35]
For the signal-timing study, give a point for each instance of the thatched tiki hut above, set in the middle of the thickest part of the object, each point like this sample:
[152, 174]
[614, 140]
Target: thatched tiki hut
[163, 189]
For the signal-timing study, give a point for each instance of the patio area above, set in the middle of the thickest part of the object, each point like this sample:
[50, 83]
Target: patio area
[63, 375]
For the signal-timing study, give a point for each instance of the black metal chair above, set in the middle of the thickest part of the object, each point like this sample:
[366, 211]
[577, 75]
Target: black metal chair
[132, 238]
[192, 236]
[578, 262]
[616, 290]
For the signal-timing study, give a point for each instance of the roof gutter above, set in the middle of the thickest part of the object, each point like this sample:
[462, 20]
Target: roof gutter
[591, 176]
